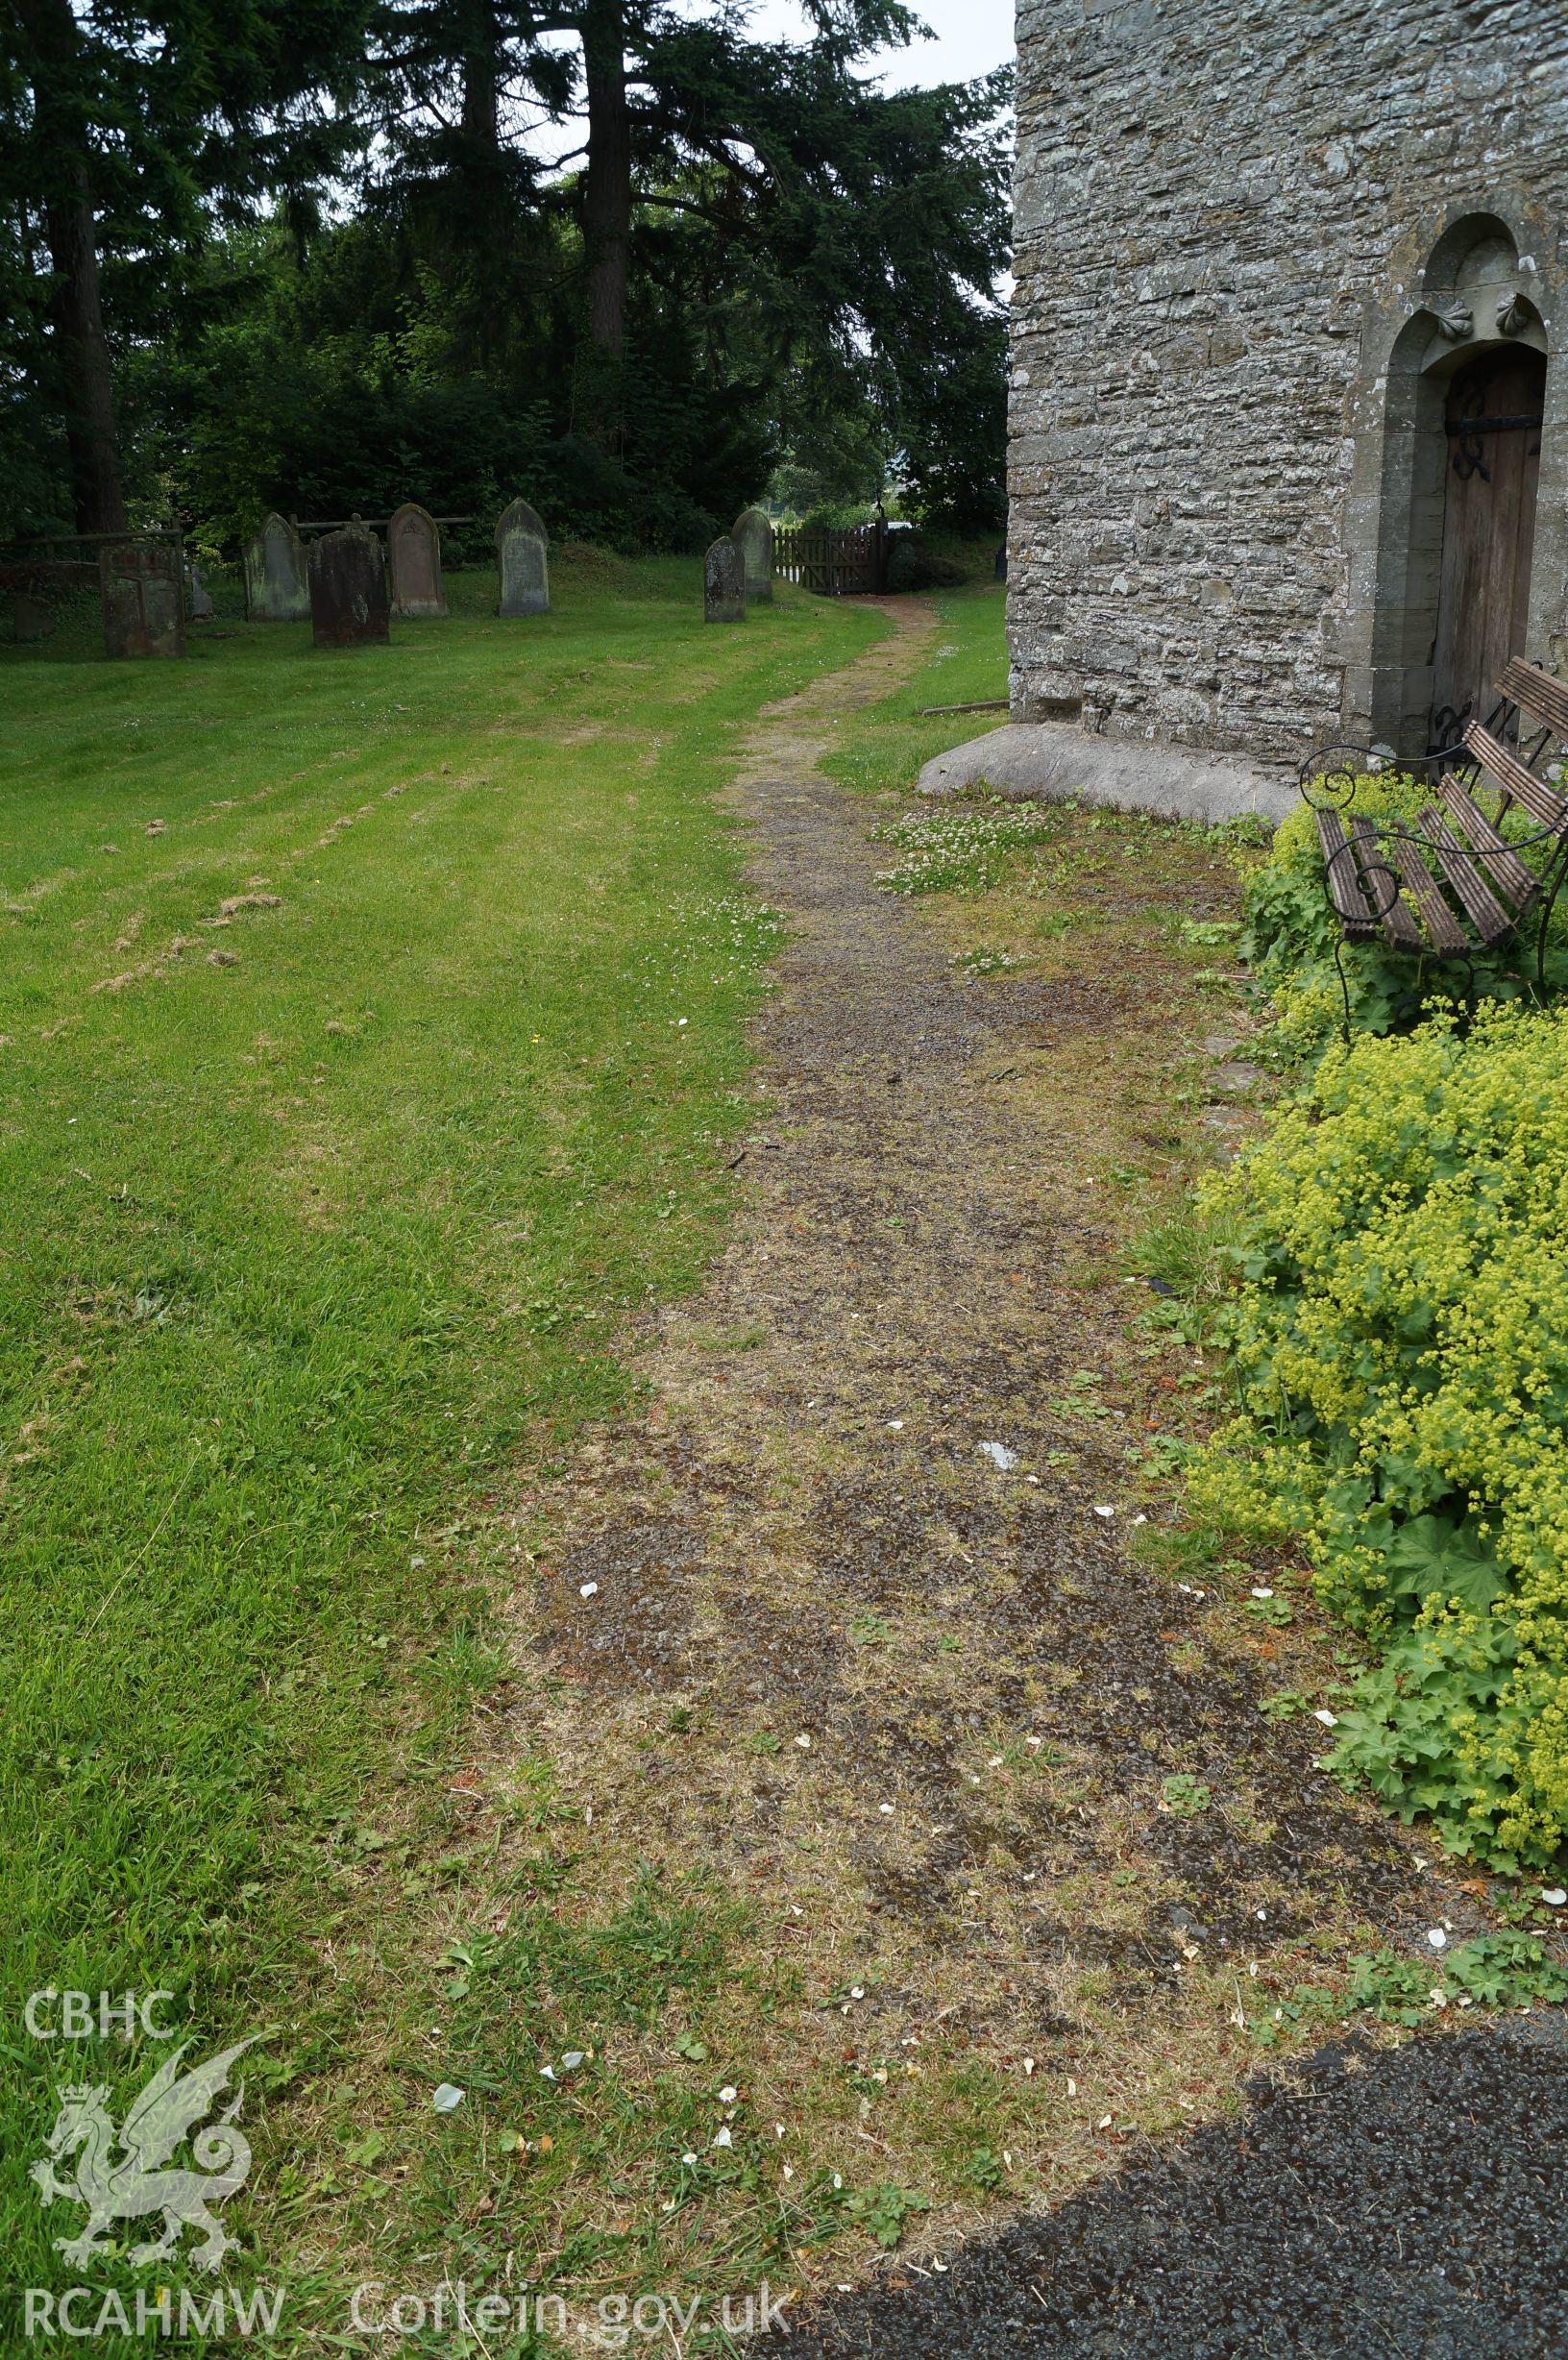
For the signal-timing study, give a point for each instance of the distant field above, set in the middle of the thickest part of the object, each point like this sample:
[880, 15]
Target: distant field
[370, 1028]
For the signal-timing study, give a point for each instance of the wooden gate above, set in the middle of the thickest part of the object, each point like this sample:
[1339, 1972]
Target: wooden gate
[1494, 462]
[835, 562]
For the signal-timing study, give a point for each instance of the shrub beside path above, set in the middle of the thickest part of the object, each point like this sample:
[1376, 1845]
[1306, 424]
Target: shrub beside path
[837, 1636]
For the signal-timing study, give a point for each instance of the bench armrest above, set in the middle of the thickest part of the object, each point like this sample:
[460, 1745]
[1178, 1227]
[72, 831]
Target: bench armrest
[1333, 765]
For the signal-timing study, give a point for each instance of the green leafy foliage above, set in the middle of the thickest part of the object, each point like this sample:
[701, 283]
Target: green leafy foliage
[883, 2210]
[1493, 1971]
[1508, 1970]
[1399, 1321]
[338, 274]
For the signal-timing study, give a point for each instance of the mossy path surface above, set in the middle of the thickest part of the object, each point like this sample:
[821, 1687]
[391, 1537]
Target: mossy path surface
[843, 1642]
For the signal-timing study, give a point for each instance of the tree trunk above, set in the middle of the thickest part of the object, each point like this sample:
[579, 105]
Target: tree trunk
[81, 348]
[82, 357]
[482, 83]
[606, 209]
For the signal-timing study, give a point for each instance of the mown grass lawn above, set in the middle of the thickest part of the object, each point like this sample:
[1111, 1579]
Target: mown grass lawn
[372, 1025]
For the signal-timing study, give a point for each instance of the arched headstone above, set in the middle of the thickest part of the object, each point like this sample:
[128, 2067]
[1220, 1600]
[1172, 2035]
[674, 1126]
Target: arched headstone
[724, 586]
[277, 588]
[141, 585]
[348, 588]
[521, 555]
[198, 595]
[413, 550]
[753, 535]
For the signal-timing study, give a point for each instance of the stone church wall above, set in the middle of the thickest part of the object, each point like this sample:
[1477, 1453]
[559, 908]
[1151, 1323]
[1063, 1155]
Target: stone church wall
[1227, 212]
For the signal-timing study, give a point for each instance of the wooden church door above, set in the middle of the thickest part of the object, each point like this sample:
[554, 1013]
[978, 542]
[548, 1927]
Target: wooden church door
[1494, 462]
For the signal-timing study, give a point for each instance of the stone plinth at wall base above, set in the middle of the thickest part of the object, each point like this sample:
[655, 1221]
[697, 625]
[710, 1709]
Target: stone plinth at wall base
[1047, 761]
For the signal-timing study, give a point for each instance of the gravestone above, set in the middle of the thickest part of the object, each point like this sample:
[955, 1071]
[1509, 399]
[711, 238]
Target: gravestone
[141, 590]
[199, 598]
[753, 536]
[521, 547]
[723, 585]
[413, 551]
[277, 589]
[32, 618]
[348, 588]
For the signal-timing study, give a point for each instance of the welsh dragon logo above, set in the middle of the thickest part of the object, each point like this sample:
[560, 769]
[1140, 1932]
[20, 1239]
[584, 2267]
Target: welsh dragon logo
[130, 2184]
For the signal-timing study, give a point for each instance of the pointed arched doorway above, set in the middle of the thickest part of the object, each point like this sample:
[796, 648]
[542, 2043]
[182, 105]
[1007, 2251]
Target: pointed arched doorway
[1492, 426]
[1464, 487]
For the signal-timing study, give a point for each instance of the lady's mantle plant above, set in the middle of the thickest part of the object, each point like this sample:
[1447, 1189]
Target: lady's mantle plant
[1400, 1332]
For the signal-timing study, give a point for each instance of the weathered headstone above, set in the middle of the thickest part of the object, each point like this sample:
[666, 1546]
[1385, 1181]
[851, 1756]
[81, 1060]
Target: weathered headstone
[723, 585]
[199, 599]
[521, 545]
[753, 536]
[277, 589]
[32, 618]
[413, 550]
[349, 604]
[141, 588]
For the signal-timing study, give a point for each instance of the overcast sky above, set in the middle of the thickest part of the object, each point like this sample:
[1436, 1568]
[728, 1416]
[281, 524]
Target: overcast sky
[969, 38]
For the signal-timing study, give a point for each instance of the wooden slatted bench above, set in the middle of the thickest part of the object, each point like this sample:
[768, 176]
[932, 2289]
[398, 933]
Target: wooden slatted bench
[1453, 884]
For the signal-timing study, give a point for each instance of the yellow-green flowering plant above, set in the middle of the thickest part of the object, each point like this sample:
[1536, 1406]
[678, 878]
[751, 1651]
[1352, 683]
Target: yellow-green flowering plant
[1400, 1330]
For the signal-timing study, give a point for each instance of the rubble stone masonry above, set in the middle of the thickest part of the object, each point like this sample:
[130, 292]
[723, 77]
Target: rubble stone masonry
[1241, 225]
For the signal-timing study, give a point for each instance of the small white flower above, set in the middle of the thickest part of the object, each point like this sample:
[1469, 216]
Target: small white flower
[689, 2156]
[727, 2095]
